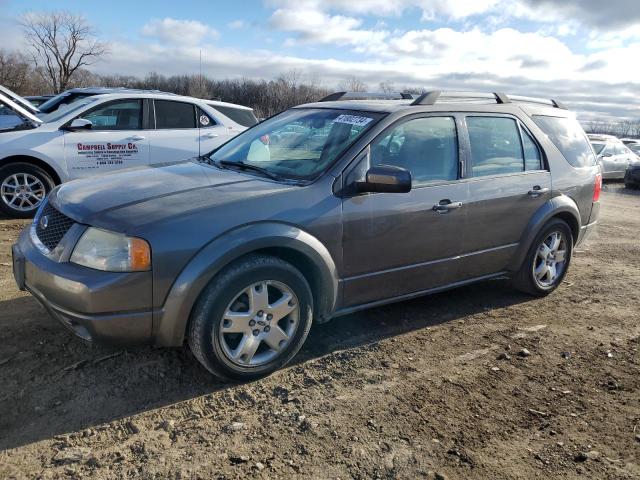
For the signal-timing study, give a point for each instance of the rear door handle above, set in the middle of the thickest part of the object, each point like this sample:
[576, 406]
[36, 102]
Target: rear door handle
[136, 138]
[444, 206]
[211, 135]
[537, 191]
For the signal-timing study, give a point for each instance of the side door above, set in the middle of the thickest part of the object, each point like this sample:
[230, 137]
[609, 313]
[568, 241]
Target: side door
[396, 244]
[212, 132]
[607, 159]
[176, 134]
[116, 139]
[623, 157]
[508, 182]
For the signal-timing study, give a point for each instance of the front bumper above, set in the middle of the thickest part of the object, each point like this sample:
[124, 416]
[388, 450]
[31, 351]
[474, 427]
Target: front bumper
[97, 306]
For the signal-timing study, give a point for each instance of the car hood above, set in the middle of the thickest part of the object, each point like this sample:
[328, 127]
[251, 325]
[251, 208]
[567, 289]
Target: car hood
[153, 193]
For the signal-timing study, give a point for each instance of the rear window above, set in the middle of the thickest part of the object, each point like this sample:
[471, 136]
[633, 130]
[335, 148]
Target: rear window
[568, 136]
[173, 115]
[241, 116]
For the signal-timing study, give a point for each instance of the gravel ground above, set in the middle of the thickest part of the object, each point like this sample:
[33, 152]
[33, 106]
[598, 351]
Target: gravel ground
[479, 382]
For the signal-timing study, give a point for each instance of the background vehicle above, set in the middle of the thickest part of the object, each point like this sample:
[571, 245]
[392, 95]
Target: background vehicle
[103, 133]
[613, 156]
[19, 100]
[70, 96]
[630, 141]
[635, 148]
[38, 100]
[372, 202]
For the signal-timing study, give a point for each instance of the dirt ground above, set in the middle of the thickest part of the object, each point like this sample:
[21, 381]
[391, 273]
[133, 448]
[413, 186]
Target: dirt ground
[438, 387]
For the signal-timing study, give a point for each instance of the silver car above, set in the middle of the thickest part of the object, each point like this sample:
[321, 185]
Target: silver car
[613, 156]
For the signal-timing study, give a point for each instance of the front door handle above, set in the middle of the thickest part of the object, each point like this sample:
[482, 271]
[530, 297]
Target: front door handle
[136, 138]
[444, 206]
[211, 135]
[537, 191]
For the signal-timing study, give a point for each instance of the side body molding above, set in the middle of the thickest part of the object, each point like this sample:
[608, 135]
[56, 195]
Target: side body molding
[170, 322]
[562, 206]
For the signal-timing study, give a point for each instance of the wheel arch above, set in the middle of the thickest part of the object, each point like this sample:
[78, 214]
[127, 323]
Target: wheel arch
[287, 242]
[561, 207]
[38, 162]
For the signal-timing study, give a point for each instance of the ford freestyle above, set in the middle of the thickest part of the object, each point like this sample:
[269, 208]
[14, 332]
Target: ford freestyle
[320, 211]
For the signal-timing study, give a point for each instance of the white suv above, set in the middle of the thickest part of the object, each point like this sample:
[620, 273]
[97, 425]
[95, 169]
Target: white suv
[103, 133]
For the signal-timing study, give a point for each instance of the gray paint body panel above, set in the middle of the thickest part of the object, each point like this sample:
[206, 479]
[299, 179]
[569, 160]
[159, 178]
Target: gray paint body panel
[363, 250]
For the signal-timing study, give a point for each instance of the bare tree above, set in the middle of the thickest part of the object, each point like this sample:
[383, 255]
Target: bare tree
[353, 84]
[61, 43]
[387, 87]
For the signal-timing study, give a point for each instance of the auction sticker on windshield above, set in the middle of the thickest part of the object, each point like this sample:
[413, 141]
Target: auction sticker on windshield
[353, 120]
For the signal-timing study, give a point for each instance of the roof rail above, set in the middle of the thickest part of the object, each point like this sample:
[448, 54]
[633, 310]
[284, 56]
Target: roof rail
[366, 96]
[432, 97]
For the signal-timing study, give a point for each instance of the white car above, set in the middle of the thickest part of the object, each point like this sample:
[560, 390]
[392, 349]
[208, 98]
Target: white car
[612, 155]
[103, 133]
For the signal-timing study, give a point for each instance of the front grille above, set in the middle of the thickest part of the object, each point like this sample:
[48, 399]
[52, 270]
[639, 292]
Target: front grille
[51, 226]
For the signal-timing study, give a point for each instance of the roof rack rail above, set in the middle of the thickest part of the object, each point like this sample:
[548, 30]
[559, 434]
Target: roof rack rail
[366, 96]
[432, 97]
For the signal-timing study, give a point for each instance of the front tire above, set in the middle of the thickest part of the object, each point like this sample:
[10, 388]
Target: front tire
[251, 319]
[547, 260]
[23, 188]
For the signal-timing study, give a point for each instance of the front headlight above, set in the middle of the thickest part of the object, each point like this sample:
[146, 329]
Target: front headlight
[111, 252]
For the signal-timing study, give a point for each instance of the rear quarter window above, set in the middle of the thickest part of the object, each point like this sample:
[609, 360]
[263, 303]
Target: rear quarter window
[569, 137]
[241, 116]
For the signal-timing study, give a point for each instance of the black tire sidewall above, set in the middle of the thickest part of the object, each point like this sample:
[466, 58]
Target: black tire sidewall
[17, 168]
[554, 225]
[219, 294]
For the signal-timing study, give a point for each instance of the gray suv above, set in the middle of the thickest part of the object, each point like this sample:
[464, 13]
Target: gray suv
[320, 211]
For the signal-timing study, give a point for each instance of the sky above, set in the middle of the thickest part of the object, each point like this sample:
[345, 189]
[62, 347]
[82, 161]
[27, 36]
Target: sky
[585, 53]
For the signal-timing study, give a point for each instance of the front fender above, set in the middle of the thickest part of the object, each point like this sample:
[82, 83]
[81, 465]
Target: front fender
[170, 323]
[559, 206]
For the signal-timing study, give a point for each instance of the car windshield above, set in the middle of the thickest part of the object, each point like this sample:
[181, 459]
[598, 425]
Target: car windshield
[297, 144]
[634, 147]
[67, 109]
[598, 147]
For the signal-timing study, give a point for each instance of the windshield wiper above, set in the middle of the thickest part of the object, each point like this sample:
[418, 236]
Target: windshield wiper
[248, 166]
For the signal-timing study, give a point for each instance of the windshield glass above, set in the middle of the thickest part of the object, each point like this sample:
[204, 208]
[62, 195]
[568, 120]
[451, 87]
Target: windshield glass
[297, 144]
[598, 147]
[635, 147]
[67, 109]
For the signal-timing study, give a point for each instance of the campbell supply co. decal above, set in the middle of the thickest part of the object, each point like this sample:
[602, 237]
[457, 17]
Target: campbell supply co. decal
[99, 155]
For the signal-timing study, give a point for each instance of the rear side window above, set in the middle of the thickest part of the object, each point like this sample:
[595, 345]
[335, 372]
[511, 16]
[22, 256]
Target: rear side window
[495, 146]
[241, 116]
[568, 136]
[532, 156]
[173, 115]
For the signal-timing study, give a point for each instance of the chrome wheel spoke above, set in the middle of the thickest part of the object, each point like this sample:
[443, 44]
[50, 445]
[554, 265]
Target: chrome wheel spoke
[282, 307]
[543, 251]
[23, 191]
[258, 297]
[246, 349]
[555, 242]
[236, 322]
[541, 271]
[276, 338]
[560, 256]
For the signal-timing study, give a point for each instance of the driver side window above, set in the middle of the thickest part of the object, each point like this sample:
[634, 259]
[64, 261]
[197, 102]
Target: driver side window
[427, 147]
[119, 115]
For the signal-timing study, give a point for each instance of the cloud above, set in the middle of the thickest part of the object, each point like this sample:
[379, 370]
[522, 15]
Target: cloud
[237, 24]
[595, 13]
[182, 32]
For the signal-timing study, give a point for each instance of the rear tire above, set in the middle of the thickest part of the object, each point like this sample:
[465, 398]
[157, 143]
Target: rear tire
[23, 188]
[547, 260]
[251, 319]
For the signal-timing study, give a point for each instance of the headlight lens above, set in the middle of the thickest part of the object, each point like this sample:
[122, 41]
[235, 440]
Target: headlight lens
[111, 252]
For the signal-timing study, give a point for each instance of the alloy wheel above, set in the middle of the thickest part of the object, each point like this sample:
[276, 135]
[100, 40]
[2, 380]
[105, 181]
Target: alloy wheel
[259, 323]
[23, 191]
[551, 260]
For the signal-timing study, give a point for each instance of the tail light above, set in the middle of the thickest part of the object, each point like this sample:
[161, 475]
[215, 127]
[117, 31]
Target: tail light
[597, 188]
[265, 139]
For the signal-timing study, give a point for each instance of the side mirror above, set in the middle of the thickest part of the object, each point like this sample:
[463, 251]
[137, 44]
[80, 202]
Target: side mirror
[607, 155]
[386, 179]
[79, 124]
